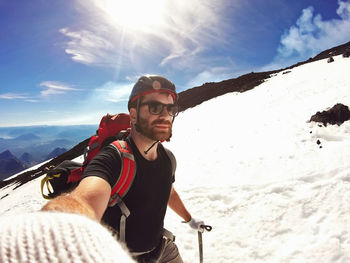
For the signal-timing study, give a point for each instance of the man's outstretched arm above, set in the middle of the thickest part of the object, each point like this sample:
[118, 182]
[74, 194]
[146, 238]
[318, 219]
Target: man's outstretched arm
[90, 198]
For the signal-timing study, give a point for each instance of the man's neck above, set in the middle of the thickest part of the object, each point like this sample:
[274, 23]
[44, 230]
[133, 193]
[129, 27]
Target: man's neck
[143, 144]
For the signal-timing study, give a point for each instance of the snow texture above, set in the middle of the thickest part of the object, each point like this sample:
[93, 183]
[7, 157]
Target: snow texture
[250, 166]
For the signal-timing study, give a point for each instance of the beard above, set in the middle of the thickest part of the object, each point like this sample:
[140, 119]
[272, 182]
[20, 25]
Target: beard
[149, 129]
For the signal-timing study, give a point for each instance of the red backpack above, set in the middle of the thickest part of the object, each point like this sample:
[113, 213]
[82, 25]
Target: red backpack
[66, 176]
[113, 129]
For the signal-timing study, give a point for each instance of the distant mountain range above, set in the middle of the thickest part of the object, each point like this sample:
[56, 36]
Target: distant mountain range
[9, 164]
[28, 159]
[23, 147]
[56, 152]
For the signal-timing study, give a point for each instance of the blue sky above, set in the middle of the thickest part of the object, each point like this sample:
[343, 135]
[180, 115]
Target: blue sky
[70, 62]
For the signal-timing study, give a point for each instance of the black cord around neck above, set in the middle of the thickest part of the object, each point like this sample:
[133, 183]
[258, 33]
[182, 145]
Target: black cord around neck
[150, 147]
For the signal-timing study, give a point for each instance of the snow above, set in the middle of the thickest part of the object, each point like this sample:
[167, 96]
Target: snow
[249, 165]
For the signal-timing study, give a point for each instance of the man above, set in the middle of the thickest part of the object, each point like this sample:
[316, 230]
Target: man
[152, 106]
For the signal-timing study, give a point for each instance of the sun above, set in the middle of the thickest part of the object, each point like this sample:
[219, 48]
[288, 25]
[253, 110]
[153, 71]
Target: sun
[134, 14]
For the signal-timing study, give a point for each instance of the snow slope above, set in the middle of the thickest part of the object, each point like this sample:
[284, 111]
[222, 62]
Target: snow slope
[249, 165]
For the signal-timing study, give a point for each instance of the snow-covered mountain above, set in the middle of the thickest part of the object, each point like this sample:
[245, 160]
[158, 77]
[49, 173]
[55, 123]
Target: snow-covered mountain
[250, 164]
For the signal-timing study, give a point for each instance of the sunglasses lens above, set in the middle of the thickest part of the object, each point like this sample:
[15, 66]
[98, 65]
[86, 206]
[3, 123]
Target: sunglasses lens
[173, 110]
[155, 108]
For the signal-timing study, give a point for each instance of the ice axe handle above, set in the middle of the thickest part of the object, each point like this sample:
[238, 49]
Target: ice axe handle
[206, 227]
[200, 241]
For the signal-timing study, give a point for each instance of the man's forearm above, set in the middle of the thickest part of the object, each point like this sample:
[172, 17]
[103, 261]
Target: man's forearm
[69, 204]
[176, 204]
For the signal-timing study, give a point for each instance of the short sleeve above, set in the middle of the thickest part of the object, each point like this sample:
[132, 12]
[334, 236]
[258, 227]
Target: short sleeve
[106, 165]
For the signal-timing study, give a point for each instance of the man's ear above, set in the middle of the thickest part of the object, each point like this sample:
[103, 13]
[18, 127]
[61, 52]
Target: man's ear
[133, 115]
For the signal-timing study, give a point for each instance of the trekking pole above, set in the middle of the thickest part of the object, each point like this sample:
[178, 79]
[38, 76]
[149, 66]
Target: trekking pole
[200, 241]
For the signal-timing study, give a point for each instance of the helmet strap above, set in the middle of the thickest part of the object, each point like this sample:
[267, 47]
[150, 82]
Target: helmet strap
[137, 126]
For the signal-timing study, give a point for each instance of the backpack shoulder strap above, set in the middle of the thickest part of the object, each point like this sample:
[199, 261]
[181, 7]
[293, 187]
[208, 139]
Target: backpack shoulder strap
[123, 184]
[127, 171]
[172, 159]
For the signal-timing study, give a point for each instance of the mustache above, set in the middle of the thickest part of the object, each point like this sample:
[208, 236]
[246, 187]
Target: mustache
[162, 122]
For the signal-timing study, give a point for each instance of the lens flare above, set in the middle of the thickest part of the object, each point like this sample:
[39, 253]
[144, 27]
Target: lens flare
[134, 14]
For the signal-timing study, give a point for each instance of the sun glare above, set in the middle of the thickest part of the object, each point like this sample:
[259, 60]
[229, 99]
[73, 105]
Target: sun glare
[134, 14]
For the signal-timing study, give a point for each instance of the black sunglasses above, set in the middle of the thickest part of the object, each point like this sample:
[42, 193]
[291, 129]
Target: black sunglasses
[156, 108]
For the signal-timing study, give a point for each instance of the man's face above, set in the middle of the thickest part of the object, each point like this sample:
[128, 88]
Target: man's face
[156, 127]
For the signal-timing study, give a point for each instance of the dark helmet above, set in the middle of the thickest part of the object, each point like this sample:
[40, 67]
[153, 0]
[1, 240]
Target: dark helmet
[150, 84]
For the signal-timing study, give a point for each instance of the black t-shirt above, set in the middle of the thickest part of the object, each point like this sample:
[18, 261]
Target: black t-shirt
[147, 198]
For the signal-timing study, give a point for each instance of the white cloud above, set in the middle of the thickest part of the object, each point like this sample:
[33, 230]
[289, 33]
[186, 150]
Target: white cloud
[210, 75]
[87, 47]
[113, 92]
[183, 30]
[55, 88]
[12, 96]
[344, 10]
[32, 100]
[16, 96]
[311, 34]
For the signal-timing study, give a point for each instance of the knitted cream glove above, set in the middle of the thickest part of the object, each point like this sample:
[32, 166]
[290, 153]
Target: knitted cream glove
[49, 237]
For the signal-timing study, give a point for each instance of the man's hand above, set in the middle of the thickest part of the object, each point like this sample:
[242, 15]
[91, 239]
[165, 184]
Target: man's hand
[196, 224]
